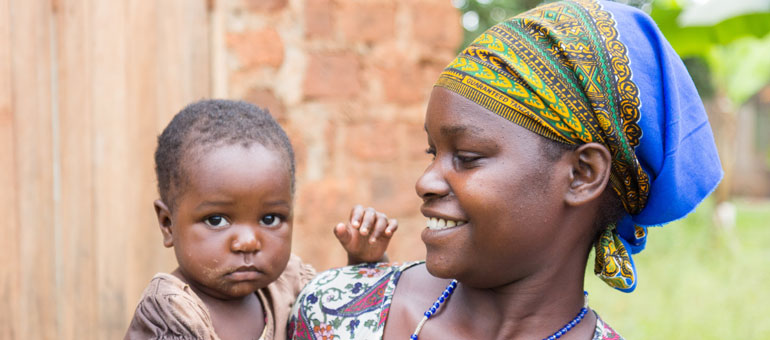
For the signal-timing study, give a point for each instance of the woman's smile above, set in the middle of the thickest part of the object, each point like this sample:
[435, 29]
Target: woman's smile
[434, 223]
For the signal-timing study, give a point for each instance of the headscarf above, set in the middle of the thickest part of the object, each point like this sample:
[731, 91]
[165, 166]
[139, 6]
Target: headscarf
[593, 71]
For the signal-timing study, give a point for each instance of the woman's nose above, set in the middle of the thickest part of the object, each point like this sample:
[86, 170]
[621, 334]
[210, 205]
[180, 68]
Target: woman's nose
[432, 182]
[245, 240]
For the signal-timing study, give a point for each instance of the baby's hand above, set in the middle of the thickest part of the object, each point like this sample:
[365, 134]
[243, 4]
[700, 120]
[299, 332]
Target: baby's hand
[366, 236]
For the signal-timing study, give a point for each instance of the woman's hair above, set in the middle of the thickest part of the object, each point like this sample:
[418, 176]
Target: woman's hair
[211, 123]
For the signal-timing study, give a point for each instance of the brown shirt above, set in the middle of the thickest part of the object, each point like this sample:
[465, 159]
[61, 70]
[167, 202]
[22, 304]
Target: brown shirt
[170, 310]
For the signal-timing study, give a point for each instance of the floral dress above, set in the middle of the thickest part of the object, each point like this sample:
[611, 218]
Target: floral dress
[353, 303]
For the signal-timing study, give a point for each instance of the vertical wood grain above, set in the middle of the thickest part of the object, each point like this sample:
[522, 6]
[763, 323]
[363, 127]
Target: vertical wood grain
[85, 87]
[30, 43]
[77, 311]
[185, 77]
[144, 248]
[111, 165]
[9, 243]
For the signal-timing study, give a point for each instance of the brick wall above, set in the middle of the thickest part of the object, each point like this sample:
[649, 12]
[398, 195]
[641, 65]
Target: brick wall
[349, 81]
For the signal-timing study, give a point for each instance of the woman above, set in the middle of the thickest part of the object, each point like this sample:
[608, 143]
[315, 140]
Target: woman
[569, 126]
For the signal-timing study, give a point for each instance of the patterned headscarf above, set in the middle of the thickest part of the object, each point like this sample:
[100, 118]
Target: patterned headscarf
[592, 71]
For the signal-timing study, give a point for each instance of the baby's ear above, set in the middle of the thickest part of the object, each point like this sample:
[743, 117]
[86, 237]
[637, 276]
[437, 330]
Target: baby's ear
[164, 222]
[591, 166]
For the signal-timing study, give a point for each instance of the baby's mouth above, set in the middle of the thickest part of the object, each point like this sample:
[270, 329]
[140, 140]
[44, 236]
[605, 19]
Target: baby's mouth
[440, 223]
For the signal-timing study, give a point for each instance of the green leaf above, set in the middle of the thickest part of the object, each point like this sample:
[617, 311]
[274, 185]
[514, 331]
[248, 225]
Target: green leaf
[741, 68]
[699, 40]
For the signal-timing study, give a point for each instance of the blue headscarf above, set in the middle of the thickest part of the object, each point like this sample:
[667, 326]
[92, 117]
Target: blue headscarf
[594, 71]
[677, 148]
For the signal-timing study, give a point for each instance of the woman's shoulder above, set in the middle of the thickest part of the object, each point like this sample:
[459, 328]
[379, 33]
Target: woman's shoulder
[603, 331]
[346, 302]
[169, 309]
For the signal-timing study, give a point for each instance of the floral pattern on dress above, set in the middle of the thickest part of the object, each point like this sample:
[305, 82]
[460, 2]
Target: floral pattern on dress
[604, 331]
[346, 303]
[353, 303]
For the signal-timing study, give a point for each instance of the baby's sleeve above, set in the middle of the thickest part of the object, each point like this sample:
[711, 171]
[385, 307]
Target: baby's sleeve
[168, 310]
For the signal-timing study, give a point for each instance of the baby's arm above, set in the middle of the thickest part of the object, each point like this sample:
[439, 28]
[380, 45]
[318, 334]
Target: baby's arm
[366, 235]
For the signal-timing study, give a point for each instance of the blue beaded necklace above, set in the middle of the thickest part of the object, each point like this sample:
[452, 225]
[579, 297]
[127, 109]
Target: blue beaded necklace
[451, 288]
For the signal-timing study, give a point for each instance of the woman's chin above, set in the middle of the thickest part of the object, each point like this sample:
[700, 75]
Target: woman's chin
[439, 267]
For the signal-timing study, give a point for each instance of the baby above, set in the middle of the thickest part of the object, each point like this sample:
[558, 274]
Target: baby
[226, 180]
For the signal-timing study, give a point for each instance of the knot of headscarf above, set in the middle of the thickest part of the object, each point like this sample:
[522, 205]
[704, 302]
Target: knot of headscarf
[562, 71]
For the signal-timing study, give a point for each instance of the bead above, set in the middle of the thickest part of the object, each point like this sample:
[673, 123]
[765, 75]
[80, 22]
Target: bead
[413, 337]
[570, 325]
[427, 314]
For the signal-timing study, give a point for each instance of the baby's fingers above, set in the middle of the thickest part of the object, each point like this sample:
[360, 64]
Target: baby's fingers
[379, 227]
[392, 227]
[367, 221]
[341, 231]
[356, 215]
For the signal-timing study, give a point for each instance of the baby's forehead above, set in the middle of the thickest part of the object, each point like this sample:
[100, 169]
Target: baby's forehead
[193, 158]
[196, 151]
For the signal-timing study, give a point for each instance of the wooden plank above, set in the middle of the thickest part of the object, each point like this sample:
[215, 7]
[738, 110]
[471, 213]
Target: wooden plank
[112, 218]
[10, 287]
[77, 255]
[144, 240]
[31, 97]
[184, 54]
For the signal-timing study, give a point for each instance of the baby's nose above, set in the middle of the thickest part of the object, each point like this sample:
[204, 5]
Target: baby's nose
[245, 240]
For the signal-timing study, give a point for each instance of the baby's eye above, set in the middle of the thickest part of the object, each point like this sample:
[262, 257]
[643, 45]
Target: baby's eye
[271, 220]
[216, 221]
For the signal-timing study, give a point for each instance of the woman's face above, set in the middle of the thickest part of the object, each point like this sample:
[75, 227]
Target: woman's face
[490, 196]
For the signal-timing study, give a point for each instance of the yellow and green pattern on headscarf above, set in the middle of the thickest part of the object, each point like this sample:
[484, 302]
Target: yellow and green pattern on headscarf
[560, 71]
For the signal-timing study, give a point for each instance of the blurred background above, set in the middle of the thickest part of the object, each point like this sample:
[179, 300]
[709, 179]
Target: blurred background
[87, 85]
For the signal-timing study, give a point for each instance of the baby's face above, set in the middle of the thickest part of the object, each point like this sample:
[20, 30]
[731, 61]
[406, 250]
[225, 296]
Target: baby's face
[231, 227]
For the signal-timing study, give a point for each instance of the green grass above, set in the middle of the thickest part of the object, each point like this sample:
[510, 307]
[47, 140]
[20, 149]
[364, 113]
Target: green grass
[695, 281]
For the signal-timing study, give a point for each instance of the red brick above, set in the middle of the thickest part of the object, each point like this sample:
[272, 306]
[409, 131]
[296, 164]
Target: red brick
[257, 48]
[409, 82]
[414, 141]
[300, 147]
[318, 19]
[394, 193]
[437, 24]
[266, 99]
[320, 205]
[374, 141]
[264, 5]
[332, 76]
[367, 21]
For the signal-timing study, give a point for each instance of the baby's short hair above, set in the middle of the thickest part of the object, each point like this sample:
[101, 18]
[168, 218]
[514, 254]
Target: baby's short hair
[210, 123]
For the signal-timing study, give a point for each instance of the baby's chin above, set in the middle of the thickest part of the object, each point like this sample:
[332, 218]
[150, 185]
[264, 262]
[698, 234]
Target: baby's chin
[235, 291]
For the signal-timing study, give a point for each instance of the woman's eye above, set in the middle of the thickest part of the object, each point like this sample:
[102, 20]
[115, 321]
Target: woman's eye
[271, 220]
[465, 158]
[216, 221]
[431, 151]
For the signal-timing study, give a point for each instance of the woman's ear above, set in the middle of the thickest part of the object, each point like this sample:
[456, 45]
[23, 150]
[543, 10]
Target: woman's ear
[164, 222]
[591, 166]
